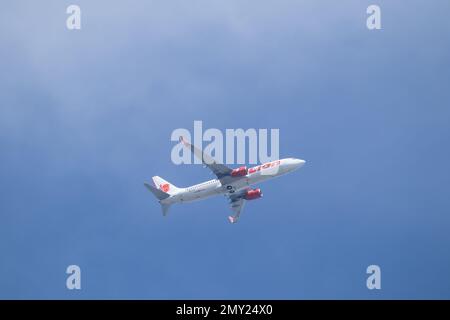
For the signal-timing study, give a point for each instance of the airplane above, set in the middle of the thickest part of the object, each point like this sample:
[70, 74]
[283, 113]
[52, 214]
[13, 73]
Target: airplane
[233, 183]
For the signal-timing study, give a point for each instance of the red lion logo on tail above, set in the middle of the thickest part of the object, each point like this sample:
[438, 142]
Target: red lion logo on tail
[164, 187]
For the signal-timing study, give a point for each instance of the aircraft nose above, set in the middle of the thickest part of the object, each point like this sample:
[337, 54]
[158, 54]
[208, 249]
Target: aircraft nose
[298, 163]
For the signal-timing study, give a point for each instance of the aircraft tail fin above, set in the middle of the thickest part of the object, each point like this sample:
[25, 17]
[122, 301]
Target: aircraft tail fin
[164, 186]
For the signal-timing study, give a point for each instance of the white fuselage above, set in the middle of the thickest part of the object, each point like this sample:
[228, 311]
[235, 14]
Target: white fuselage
[215, 187]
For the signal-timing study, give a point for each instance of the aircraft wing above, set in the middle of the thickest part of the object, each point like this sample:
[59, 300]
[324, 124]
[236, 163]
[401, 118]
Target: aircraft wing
[237, 202]
[218, 169]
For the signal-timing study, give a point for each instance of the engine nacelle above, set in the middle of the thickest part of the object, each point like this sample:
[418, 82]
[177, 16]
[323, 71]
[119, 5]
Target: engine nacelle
[253, 194]
[239, 172]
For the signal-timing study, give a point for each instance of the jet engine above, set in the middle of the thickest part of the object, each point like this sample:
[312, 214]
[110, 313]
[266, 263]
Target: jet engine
[253, 194]
[239, 172]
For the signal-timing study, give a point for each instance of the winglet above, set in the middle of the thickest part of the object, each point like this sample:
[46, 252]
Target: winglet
[183, 141]
[232, 219]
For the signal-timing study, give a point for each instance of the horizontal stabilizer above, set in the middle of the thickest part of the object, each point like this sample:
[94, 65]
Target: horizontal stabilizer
[165, 208]
[157, 193]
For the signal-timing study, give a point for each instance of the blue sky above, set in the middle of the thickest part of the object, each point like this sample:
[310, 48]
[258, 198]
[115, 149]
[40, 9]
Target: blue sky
[86, 117]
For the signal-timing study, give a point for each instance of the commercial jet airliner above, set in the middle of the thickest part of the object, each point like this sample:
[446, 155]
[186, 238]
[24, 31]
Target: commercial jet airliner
[233, 183]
